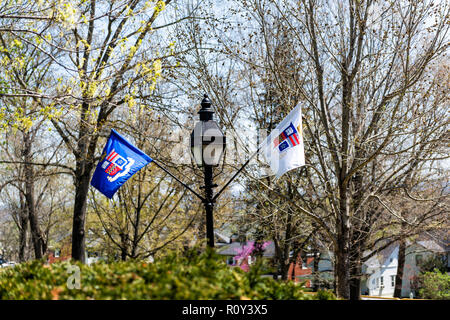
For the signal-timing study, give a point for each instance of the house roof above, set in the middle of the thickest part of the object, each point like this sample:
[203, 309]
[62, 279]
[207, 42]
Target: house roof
[236, 248]
[381, 257]
[432, 246]
[386, 253]
[222, 237]
[439, 236]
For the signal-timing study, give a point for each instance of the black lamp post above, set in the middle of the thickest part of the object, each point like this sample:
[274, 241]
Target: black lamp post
[207, 147]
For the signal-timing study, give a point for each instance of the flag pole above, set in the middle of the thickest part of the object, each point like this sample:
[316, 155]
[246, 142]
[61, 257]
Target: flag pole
[262, 144]
[237, 173]
[181, 182]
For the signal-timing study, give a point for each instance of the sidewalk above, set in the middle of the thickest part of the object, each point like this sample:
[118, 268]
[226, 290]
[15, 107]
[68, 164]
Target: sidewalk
[385, 298]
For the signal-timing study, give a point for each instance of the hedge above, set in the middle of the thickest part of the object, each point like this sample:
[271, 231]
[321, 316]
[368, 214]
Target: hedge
[434, 285]
[196, 276]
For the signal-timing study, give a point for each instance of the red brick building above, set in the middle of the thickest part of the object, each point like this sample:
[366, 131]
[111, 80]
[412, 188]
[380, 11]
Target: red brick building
[240, 255]
[301, 270]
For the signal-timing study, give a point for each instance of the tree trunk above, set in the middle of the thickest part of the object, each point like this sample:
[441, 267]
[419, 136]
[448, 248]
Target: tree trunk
[79, 215]
[335, 275]
[285, 262]
[316, 272]
[342, 270]
[284, 270]
[36, 234]
[278, 259]
[137, 221]
[23, 226]
[355, 280]
[400, 269]
[356, 250]
[342, 251]
[294, 260]
[85, 155]
[124, 246]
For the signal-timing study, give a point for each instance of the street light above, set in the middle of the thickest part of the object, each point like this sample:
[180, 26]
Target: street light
[207, 147]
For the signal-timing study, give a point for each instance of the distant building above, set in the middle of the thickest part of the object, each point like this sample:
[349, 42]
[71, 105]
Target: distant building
[63, 251]
[381, 269]
[242, 255]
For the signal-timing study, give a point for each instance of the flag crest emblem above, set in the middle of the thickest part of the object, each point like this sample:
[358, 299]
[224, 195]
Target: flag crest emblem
[116, 166]
[119, 161]
[288, 138]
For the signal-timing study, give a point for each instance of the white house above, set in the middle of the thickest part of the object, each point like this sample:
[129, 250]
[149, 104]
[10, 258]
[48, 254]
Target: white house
[380, 273]
[381, 269]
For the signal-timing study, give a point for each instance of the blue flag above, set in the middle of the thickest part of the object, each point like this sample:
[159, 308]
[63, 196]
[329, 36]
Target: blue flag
[119, 161]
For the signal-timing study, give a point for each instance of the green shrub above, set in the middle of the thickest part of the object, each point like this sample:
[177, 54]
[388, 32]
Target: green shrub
[435, 285]
[199, 276]
[325, 295]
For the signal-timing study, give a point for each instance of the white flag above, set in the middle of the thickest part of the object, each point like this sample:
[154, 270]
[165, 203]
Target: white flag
[284, 148]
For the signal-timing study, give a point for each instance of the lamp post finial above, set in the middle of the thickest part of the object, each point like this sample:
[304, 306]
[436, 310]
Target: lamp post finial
[206, 112]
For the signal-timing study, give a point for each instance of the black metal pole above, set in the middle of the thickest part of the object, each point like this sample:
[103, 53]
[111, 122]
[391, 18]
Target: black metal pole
[208, 170]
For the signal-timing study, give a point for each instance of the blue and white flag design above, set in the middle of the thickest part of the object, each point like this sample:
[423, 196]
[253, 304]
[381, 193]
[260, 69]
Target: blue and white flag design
[119, 161]
[283, 148]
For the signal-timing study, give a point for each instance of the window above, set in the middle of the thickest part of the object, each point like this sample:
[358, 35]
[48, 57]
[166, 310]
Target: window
[304, 265]
[392, 281]
[418, 259]
[381, 282]
[57, 253]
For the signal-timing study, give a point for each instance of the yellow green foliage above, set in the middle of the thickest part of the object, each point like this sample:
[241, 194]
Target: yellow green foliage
[193, 276]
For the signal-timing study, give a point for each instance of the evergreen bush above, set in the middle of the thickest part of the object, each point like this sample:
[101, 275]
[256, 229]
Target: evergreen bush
[195, 276]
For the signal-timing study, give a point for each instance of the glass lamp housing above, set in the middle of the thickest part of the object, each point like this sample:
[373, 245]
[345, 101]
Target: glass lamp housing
[207, 143]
